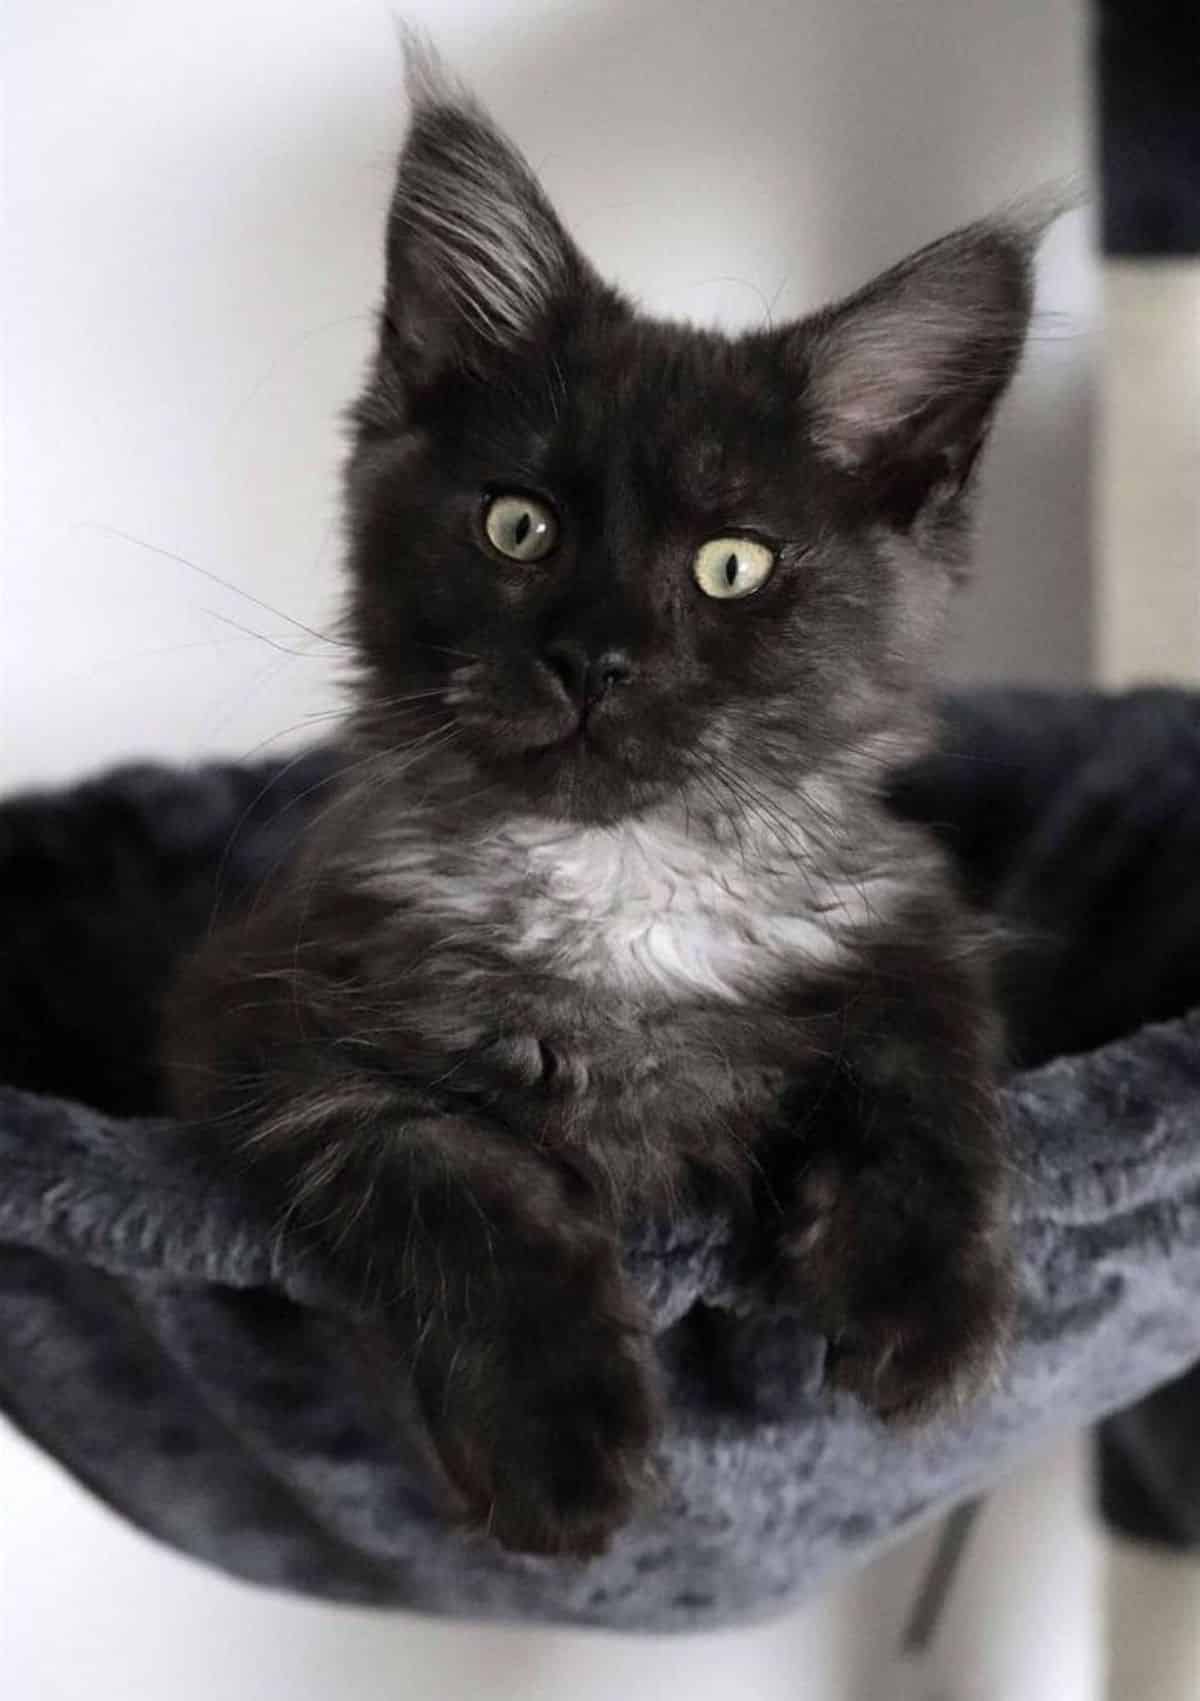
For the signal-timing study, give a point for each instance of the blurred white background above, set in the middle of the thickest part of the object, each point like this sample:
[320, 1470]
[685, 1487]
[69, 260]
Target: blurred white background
[193, 207]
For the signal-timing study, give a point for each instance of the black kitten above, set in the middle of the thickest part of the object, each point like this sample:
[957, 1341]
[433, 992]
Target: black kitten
[607, 906]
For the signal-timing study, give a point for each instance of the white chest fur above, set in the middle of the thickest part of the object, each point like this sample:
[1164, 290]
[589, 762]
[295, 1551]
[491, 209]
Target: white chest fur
[647, 908]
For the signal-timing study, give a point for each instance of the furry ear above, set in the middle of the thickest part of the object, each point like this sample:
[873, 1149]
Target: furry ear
[904, 376]
[475, 252]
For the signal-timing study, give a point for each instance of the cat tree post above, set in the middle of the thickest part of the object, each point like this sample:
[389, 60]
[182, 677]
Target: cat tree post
[1147, 485]
[1147, 491]
[1146, 507]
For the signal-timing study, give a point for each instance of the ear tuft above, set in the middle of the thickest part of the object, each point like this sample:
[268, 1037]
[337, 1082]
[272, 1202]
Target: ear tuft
[475, 252]
[428, 80]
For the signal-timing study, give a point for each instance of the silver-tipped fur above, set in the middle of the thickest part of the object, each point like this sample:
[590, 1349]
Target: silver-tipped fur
[480, 230]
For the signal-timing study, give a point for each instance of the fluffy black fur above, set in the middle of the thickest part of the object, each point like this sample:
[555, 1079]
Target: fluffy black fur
[607, 905]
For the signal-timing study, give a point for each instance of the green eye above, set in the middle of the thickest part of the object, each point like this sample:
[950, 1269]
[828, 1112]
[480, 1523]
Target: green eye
[520, 527]
[728, 567]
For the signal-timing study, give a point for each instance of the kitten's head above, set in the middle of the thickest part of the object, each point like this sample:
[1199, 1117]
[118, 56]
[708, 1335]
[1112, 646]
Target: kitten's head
[612, 557]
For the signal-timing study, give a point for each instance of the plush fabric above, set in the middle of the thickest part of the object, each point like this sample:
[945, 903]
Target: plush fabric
[172, 1352]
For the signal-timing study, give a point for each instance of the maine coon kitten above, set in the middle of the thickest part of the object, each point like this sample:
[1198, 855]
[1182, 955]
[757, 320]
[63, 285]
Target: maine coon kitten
[606, 906]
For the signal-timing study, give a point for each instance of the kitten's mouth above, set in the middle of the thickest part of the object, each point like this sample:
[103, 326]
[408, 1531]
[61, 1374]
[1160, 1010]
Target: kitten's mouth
[574, 762]
[571, 751]
[579, 734]
[582, 775]
[577, 737]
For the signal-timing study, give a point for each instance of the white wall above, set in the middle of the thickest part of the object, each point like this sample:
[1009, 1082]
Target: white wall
[194, 197]
[194, 202]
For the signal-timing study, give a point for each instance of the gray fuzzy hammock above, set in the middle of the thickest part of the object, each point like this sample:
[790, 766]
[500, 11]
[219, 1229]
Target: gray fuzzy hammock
[187, 1365]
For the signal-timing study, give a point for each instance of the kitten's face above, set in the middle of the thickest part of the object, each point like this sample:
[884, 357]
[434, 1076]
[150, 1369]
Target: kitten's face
[618, 560]
[609, 670]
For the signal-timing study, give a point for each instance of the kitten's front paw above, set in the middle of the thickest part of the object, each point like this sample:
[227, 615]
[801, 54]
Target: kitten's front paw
[915, 1293]
[579, 1460]
[561, 1458]
[912, 1357]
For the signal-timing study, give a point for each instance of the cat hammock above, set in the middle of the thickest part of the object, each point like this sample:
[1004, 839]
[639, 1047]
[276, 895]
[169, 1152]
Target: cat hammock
[187, 1364]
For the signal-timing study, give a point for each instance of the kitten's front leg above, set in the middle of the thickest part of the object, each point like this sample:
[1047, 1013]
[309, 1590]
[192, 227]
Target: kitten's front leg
[502, 1292]
[488, 1267]
[888, 1221]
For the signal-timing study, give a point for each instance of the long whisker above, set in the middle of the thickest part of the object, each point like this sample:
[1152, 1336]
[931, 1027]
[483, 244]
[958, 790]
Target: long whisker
[216, 579]
[276, 779]
[263, 637]
[416, 751]
[833, 847]
[308, 721]
[786, 834]
[444, 650]
[721, 808]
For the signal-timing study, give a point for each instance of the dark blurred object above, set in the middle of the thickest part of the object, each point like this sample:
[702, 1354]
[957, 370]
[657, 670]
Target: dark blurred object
[102, 889]
[1150, 1467]
[1075, 820]
[1147, 71]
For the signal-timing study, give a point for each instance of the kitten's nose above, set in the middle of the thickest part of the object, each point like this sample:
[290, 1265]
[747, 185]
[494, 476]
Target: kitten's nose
[586, 678]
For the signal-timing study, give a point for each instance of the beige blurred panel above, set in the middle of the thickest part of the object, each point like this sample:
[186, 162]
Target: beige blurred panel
[1154, 1625]
[1147, 491]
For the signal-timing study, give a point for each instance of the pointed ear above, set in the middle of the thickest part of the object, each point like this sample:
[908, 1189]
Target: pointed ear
[475, 253]
[903, 378]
